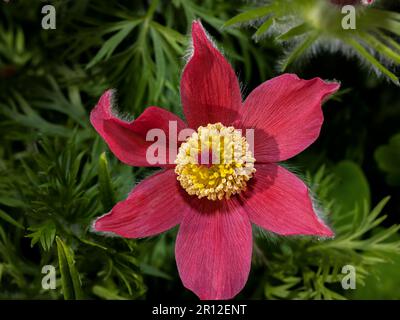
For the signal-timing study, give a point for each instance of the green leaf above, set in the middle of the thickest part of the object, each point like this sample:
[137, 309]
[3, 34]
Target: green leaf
[384, 14]
[44, 233]
[384, 282]
[295, 31]
[299, 50]
[388, 159]
[106, 293]
[249, 15]
[371, 59]
[282, 291]
[11, 202]
[153, 271]
[392, 43]
[264, 27]
[107, 194]
[112, 43]
[160, 63]
[318, 18]
[69, 275]
[384, 19]
[380, 47]
[173, 37]
[30, 118]
[9, 219]
[352, 188]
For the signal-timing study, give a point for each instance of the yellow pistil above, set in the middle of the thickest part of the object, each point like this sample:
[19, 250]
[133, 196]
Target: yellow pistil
[215, 162]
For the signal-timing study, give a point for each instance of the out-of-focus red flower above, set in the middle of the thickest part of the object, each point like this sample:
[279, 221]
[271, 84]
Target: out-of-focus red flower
[352, 2]
[215, 205]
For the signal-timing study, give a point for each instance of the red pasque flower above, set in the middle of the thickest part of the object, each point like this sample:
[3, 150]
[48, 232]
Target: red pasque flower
[216, 204]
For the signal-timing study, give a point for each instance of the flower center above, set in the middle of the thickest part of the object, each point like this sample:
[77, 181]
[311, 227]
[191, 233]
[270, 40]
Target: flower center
[215, 162]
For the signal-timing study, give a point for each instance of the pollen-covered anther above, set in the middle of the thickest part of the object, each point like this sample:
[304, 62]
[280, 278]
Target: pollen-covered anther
[215, 162]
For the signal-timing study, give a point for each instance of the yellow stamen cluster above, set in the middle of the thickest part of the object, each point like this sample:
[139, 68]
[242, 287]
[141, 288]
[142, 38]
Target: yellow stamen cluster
[215, 162]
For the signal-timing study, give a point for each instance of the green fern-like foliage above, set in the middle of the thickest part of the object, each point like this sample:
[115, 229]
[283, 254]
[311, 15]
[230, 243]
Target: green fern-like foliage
[142, 45]
[57, 197]
[308, 269]
[57, 175]
[306, 25]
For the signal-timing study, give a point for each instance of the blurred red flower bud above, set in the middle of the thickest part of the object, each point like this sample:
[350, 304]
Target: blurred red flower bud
[352, 2]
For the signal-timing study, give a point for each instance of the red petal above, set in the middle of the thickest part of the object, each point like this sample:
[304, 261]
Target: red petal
[286, 115]
[210, 91]
[213, 249]
[278, 201]
[127, 140]
[154, 206]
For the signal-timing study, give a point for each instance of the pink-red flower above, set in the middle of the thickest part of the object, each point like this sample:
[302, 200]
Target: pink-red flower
[352, 2]
[215, 205]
